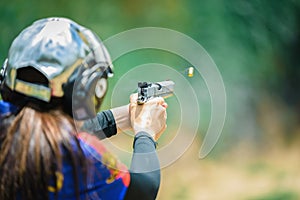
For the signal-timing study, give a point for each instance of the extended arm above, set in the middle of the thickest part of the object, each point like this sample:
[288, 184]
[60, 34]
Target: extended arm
[148, 122]
[109, 122]
[145, 167]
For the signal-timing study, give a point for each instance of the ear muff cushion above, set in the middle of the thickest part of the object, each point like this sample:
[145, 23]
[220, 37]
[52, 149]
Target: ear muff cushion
[84, 100]
[101, 88]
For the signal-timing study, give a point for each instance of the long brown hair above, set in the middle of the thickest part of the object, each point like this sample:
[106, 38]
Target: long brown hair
[31, 154]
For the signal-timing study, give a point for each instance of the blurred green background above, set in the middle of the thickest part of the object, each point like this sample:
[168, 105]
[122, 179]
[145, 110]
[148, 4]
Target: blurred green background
[255, 44]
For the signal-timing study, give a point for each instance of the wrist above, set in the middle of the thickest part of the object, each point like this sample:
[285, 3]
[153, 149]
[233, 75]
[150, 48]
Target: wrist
[122, 118]
[139, 130]
[144, 135]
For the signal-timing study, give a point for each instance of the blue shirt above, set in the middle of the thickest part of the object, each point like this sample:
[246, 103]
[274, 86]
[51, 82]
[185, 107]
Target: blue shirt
[107, 178]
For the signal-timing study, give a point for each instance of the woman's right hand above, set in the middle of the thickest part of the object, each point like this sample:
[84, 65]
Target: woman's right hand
[149, 117]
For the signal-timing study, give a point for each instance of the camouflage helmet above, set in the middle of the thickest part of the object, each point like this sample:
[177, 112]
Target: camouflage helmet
[70, 57]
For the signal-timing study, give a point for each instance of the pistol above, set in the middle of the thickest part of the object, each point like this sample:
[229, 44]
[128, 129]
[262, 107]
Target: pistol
[148, 90]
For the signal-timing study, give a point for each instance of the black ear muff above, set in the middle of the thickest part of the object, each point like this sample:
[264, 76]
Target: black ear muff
[84, 93]
[90, 85]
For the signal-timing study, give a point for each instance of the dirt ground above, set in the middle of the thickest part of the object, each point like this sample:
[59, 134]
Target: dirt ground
[244, 173]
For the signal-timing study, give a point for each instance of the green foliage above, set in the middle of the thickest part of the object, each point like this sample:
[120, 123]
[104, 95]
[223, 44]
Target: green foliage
[181, 193]
[258, 167]
[255, 44]
[278, 195]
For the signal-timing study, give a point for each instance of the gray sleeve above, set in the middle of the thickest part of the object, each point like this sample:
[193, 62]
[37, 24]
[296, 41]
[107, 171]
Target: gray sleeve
[103, 125]
[144, 169]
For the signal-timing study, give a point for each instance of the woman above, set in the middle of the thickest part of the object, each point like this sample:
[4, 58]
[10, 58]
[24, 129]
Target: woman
[55, 72]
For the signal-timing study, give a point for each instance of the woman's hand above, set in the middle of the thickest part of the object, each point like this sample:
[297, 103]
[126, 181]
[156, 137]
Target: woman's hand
[149, 117]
